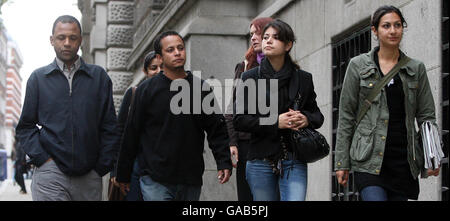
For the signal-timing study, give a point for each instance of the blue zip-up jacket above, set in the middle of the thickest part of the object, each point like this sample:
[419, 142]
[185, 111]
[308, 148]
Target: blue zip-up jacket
[76, 128]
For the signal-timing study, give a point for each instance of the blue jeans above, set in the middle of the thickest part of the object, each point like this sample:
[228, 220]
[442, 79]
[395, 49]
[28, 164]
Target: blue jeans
[377, 193]
[135, 188]
[155, 191]
[268, 186]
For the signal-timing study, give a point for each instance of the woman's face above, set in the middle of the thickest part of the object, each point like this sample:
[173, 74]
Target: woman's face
[390, 30]
[255, 39]
[271, 46]
[154, 68]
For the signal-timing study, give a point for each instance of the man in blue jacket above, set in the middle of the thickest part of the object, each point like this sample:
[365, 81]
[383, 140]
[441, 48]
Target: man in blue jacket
[68, 122]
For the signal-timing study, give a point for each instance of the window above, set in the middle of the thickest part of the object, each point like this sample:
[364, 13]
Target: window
[345, 48]
[445, 97]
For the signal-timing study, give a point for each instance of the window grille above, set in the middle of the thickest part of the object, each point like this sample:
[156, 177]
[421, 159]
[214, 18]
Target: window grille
[445, 97]
[344, 49]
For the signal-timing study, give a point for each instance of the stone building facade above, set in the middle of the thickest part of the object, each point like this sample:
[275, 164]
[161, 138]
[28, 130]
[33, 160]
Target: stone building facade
[118, 33]
[3, 68]
[13, 93]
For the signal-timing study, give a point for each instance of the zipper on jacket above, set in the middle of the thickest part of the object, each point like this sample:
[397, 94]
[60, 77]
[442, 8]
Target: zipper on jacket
[71, 107]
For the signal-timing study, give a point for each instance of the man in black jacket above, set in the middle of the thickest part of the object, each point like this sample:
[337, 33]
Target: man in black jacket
[170, 145]
[68, 122]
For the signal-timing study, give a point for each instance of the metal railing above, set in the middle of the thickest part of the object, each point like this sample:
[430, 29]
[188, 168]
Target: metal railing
[344, 49]
[445, 98]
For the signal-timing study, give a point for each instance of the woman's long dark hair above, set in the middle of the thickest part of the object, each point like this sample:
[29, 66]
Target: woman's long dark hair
[383, 10]
[285, 34]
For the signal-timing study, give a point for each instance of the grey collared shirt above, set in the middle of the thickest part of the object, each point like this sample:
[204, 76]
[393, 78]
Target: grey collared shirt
[69, 72]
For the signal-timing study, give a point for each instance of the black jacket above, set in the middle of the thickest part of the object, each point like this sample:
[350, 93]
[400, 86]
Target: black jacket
[122, 118]
[235, 136]
[170, 146]
[265, 139]
[79, 129]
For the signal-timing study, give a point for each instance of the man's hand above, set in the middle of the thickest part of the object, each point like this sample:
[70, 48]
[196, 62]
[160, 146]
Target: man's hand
[124, 188]
[223, 176]
[234, 155]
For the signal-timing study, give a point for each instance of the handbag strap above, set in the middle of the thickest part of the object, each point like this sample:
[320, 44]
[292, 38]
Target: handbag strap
[133, 95]
[377, 88]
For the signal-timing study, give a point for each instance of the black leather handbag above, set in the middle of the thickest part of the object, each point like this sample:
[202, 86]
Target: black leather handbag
[308, 144]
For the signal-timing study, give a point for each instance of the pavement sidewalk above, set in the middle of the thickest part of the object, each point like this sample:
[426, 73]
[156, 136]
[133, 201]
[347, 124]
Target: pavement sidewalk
[10, 192]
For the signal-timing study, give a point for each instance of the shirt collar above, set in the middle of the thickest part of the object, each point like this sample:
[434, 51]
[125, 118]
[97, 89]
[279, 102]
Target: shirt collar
[82, 67]
[62, 65]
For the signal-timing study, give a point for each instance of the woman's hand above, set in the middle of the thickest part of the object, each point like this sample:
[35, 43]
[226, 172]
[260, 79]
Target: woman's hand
[287, 120]
[303, 122]
[293, 120]
[433, 172]
[342, 177]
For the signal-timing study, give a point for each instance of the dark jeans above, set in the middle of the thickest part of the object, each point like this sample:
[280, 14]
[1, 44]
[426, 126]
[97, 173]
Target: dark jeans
[243, 189]
[135, 193]
[377, 193]
[155, 191]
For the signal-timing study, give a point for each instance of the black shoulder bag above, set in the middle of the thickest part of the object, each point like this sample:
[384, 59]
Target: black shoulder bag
[308, 144]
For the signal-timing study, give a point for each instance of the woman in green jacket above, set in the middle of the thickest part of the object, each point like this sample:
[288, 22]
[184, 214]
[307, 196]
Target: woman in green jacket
[383, 150]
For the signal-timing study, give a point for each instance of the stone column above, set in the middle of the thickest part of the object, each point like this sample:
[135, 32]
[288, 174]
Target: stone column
[119, 40]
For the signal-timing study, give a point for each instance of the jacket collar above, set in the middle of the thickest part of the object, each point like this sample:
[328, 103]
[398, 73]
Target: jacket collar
[370, 63]
[54, 66]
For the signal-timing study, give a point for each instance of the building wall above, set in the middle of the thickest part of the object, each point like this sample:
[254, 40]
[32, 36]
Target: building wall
[3, 68]
[216, 35]
[13, 94]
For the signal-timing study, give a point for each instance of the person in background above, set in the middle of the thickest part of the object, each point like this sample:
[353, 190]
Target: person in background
[240, 141]
[152, 66]
[20, 166]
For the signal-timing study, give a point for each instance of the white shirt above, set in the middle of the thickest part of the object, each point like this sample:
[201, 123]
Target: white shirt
[69, 72]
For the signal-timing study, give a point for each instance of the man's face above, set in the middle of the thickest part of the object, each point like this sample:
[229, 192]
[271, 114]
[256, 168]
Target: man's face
[173, 52]
[66, 41]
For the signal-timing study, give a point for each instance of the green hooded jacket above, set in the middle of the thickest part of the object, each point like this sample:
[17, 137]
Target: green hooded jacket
[361, 147]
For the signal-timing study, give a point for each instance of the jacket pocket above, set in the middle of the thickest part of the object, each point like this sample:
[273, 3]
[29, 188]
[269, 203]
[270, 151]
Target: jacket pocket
[413, 86]
[362, 144]
[366, 87]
